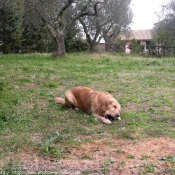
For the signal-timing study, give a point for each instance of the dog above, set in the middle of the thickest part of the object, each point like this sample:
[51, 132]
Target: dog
[102, 105]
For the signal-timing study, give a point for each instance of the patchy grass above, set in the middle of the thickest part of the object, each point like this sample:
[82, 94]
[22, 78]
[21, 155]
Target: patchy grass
[30, 121]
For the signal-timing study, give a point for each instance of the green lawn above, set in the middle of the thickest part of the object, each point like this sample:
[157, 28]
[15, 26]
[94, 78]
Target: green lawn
[31, 121]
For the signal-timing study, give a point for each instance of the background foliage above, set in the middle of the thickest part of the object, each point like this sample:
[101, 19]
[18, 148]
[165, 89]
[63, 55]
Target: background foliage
[164, 30]
[36, 26]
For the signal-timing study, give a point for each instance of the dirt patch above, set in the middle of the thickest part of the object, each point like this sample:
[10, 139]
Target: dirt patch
[122, 157]
[27, 106]
[110, 156]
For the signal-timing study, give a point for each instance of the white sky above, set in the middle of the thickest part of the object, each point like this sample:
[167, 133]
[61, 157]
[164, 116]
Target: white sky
[145, 13]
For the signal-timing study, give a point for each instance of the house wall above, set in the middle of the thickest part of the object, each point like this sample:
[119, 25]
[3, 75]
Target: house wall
[143, 42]
[127, 44]
[101, 47]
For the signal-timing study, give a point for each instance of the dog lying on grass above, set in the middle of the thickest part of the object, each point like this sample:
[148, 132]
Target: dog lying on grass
[100, 104]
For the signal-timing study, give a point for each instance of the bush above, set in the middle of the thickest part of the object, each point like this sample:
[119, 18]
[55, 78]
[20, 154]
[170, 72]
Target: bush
[120, 45]
[135, 47]
[77, 45]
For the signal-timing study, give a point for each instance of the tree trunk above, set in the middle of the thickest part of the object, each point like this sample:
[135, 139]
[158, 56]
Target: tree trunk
[93, 47]
[60, 47]
[107, 43]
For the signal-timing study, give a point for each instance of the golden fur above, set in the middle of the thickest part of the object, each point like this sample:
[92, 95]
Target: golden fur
[101, 104]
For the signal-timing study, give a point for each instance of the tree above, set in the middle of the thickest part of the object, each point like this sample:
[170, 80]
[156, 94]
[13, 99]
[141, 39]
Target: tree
[59, 15]
[35, 36]
[11, 14]
[113, 16]
[35, 39]
[120, 45]
[121, 17]
[163, 31]
[74, 42]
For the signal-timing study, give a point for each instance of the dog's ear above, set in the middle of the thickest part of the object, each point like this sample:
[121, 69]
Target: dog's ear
[104, 103]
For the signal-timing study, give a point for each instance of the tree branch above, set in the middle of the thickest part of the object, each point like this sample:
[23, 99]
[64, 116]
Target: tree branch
[88, 37]
[81, 14]
[49, 28]
[60, 14]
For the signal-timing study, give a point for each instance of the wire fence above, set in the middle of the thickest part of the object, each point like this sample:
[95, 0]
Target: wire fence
[161, 51]
[151, 50]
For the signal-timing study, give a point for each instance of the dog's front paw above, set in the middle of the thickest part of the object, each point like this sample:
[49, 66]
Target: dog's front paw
[106, 121]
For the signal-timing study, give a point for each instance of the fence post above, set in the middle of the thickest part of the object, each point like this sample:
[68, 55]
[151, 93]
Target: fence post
[106, 47]
[163, 51]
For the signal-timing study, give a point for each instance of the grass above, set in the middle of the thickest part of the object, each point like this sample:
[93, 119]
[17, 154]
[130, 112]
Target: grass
[147, 168]
[31, 121]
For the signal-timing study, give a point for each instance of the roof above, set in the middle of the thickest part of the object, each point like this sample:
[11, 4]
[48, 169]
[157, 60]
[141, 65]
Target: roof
[138, 35]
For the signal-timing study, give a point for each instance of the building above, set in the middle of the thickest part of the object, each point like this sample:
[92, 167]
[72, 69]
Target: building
[143, 37]
[101, 46]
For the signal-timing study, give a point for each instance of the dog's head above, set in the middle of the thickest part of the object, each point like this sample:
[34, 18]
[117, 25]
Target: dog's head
[111, 109]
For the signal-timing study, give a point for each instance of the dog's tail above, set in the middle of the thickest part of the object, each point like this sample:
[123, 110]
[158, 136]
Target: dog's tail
[59, 100]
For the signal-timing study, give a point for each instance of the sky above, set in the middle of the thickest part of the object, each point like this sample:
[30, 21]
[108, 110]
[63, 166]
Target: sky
[145, 13]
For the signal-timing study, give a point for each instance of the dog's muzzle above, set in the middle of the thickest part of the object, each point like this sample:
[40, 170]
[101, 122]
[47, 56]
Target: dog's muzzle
[116, 117]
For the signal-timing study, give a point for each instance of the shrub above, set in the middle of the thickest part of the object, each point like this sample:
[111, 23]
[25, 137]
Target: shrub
[77, 45]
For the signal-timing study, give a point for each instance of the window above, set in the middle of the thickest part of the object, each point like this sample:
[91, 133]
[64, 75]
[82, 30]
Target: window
[147, 44]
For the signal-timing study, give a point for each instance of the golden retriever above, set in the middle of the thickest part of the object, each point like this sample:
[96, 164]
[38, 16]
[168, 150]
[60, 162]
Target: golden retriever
[100, 104]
